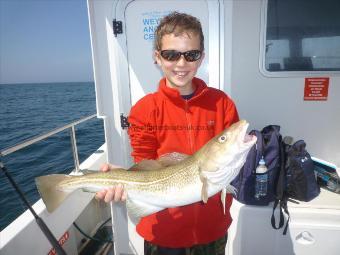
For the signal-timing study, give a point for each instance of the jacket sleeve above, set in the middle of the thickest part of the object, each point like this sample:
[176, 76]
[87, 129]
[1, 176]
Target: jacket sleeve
[231, 114]
[142, 131]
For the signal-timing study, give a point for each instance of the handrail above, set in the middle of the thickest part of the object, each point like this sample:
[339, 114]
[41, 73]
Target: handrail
[38, 138]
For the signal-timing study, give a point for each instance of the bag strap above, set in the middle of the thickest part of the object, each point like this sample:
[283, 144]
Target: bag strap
[283, 207]
[258, 148]
[271, 145]
[280, 186]
[273, 221]
[281, 182]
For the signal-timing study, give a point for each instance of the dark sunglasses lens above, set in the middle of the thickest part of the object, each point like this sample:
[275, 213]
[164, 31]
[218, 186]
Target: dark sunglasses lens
[192, 55]
[170, 55]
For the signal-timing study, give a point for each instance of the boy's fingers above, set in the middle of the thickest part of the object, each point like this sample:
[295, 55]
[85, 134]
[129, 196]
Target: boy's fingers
[109, 196]
[112, 194]
[118, 193]
[105, 167]
[124, 196]
[100, 194]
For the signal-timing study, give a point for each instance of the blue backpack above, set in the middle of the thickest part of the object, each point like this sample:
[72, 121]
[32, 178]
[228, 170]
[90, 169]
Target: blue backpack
[290, 173]
[268, 146]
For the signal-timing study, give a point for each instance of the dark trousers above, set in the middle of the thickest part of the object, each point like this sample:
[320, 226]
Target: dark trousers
[214, 248]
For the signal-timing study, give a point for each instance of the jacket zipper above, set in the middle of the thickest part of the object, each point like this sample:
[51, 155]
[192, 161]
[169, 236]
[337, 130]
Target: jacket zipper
[189, 124]
[187, 116]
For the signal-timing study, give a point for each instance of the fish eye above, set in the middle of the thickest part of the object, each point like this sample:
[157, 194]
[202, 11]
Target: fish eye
[222, 138]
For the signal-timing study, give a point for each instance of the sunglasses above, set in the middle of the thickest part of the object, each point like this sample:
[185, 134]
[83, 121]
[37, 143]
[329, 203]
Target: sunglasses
[174, 55]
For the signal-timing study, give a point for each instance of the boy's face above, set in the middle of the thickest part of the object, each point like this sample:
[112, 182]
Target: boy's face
[179, 73]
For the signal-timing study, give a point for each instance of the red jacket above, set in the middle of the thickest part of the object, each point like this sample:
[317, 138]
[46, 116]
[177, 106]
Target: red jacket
[164, 122]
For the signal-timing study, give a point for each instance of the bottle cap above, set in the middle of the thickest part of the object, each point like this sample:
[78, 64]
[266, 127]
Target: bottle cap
[261, 168]
[262, 162]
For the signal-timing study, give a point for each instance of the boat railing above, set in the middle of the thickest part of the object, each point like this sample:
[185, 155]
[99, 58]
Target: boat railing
[38, 138]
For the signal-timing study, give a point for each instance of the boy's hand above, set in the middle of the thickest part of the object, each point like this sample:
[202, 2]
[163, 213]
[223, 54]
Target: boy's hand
[116, 193]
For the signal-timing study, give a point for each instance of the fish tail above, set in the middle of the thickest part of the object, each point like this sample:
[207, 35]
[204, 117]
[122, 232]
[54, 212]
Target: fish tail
[48, 189]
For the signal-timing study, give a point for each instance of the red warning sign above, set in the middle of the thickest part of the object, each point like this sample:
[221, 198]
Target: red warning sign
[316, 88]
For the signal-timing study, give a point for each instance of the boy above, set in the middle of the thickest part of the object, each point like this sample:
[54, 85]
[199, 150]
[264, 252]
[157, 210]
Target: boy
[182, 116]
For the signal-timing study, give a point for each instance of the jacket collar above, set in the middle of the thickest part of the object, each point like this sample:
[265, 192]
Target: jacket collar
[174, 95]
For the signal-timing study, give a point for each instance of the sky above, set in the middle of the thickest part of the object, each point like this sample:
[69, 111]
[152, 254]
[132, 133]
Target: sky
[44, 41]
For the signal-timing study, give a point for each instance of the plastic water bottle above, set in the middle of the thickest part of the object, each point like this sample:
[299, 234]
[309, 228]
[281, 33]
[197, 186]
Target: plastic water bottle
[261, 179]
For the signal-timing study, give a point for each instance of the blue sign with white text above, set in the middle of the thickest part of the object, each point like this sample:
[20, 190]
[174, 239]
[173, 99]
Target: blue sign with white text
[150, 22]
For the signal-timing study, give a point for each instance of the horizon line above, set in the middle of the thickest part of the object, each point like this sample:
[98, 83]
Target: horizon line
[55, 82]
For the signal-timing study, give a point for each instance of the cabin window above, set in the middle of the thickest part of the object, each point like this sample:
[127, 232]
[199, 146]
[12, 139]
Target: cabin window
[302, 35]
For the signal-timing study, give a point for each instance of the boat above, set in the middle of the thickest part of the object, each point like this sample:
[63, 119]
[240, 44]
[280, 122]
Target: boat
[278, 60]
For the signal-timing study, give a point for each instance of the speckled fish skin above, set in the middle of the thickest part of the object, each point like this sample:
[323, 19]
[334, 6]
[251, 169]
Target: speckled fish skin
[153, 187]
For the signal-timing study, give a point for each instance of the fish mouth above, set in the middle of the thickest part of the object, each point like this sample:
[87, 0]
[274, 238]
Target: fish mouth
[248, 139]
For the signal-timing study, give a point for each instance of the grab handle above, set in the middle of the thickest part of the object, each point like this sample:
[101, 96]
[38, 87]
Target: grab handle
[305, 238]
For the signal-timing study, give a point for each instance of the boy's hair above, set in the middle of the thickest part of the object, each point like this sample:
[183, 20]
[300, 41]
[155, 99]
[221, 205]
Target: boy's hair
[178, 23]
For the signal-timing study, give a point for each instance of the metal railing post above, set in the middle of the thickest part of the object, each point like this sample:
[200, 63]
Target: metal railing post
[74, 149]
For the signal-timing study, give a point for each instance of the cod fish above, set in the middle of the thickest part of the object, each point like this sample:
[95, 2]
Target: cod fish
[152, 186]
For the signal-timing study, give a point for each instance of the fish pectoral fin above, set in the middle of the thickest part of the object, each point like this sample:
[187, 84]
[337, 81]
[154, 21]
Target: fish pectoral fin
[145, 165]
[173, 158]
[137, 209]
[204, 191]
[231, 189]
[223, 196]
[227, 189]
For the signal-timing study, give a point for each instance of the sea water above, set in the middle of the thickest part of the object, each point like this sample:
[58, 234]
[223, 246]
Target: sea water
[28, 110]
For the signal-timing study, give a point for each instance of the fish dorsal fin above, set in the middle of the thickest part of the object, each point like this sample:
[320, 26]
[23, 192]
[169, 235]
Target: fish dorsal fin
[168, 159]
[172, 158]
[147, 164]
